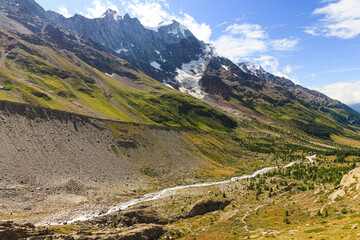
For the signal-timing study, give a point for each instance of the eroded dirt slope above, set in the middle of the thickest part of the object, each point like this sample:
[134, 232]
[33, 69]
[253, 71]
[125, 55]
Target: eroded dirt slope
[61, 159]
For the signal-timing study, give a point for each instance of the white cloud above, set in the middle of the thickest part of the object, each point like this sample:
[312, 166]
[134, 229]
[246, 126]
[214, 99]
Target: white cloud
[346, 92]
[252, 31]
[149, 13]
[244, 40]
[269, 63]
[241, 41]
[63, 11]
[285, 44]
[341, 70]
[341, 19]
[201, 30]
[99, 7]
[288, 69]
[152, 13]
[237, 48]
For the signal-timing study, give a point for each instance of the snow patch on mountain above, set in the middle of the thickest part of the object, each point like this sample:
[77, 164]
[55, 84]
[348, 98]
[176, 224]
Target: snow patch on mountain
[122, 50]
[155, 65]
[156, 29]
[168, 85]
[173, 31]
[252, 68]
[174, 28]
[183, 29]
[225, 67]
[189, 76]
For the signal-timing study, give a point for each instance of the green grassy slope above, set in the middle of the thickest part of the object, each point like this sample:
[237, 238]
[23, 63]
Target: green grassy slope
[59, 79]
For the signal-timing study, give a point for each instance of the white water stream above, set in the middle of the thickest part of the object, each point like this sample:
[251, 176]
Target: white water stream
[157, 195]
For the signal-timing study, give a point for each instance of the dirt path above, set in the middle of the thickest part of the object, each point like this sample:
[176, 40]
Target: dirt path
[247, 213]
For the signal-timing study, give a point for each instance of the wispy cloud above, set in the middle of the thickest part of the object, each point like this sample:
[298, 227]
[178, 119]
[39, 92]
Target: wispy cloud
[64, 11]
[251, 31]
[340, 19]
[236, 48]
[288, 69]
[99, 7]
[244, 40]
[343, 70]
[346, 92]
[285, 44]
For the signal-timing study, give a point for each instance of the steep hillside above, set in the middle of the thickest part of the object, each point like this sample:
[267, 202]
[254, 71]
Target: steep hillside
[47, 66]
[277, 98]
[172, 54]
[48, 154]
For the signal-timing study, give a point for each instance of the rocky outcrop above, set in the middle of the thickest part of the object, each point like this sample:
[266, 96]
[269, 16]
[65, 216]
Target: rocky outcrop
[352, 179]
[204, 206]
[349, 185]
[129, 218]
[13, 231]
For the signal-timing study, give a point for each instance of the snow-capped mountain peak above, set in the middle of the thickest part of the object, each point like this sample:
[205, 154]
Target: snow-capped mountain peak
[111, 13]
[252, 68]
[173, 28]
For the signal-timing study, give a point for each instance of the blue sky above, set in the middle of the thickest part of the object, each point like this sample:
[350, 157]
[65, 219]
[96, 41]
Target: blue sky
[313, 42]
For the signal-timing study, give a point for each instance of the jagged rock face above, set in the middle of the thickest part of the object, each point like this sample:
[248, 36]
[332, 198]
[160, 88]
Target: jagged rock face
[25, 6]
[251, 77]
[222, 77]
[158, 52]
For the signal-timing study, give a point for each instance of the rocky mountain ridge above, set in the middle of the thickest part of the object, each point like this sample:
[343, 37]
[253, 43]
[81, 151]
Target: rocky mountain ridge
[157, 51]
[277, 97]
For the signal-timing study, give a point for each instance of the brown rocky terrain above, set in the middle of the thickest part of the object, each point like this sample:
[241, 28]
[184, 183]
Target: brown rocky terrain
[53, 161]
[13, 231]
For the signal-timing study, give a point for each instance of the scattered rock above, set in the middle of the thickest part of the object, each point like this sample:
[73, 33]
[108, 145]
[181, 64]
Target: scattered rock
[355, 226]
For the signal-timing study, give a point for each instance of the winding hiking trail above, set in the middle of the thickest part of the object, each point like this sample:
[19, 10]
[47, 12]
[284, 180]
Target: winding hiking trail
[161, 194]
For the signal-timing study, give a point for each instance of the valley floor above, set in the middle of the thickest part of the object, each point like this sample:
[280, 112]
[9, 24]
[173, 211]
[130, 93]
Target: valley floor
[303, 201]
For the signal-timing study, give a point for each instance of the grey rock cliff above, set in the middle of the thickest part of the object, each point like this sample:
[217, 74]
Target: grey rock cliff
[157, 52]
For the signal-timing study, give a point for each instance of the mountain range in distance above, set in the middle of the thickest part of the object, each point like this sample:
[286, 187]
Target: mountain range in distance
[97, 112]
[171, 54]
